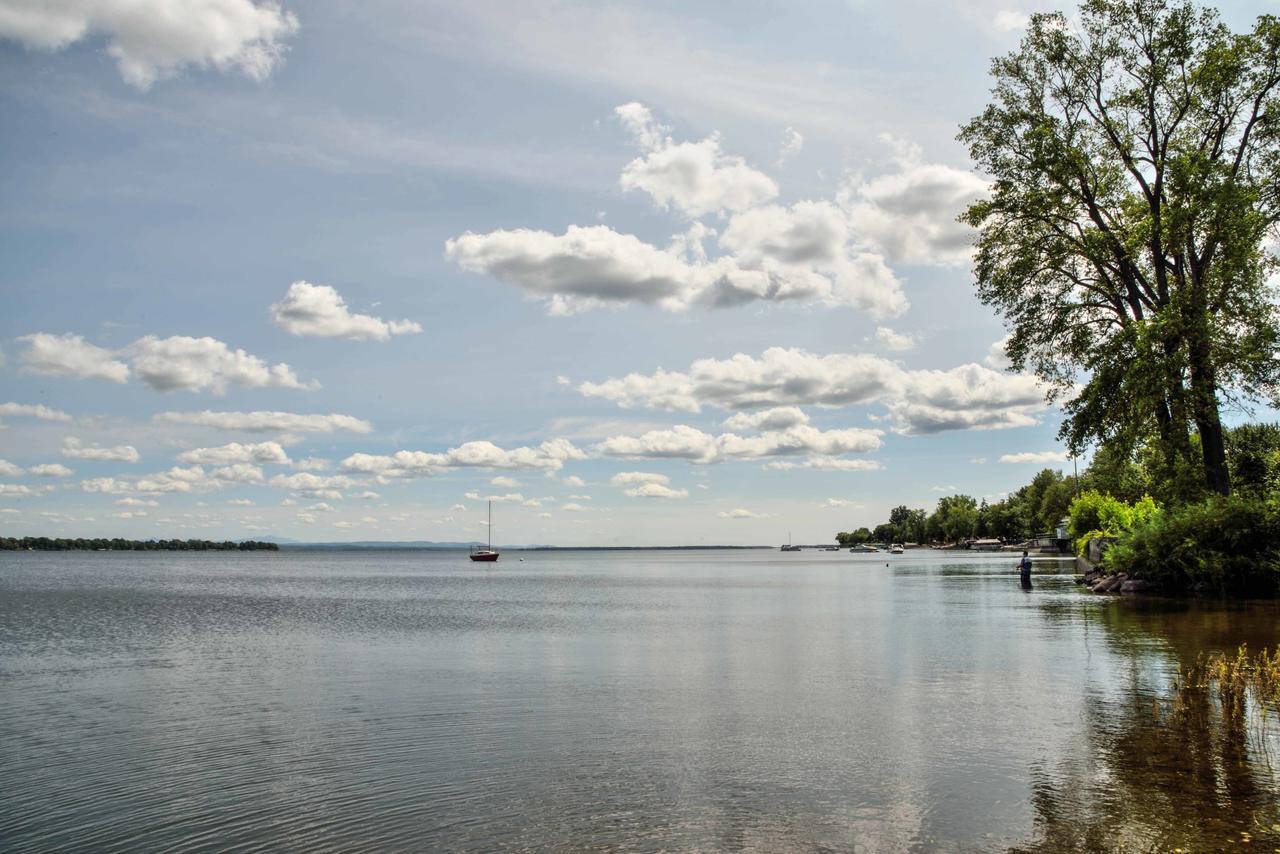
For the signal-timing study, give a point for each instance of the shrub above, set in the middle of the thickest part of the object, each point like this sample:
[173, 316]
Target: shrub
[1222, 546]
[1097, 514]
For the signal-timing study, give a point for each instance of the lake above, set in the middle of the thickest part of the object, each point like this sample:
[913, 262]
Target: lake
[710, 700]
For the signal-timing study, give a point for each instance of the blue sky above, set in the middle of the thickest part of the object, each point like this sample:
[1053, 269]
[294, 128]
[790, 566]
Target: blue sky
[648, 274]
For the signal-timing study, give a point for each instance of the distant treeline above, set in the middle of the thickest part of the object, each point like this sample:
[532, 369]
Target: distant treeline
[58, 544]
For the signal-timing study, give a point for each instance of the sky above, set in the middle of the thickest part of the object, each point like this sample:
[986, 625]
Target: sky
[639, 273]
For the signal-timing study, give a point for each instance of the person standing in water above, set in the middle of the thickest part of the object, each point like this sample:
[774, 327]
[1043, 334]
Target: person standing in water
[1024, 571]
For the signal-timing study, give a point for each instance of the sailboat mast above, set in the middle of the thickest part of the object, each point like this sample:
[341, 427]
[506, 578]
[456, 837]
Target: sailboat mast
[490, 526]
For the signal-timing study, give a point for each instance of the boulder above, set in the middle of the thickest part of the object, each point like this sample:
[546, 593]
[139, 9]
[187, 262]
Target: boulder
[1135, 585]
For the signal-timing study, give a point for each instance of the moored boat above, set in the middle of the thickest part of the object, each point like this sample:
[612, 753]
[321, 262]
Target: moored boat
[487, 554]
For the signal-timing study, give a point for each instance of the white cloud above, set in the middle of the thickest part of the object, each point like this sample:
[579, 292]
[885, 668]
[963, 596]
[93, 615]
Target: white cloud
[320, 486]
[176, 479]
[573, 508]
[320, 311]
[30, 410]
[239, 473]
[544, 515]
[138, 502]
[195, 364]
[8, 469]
[235, 452]
[154, 39]
[656, 490]
[1036, 457]
[267, 422]
[368, 495]
[573, 480]
[695, 446]
[129, 514]
[21, 491]
[508, 498]
[549, 456]
[505, 482]
[776, 418]
[311, 464]
[792, 144]
[1008, 21]
[240, 502]
[321, 507]
[801, 253]
[692, 178]
[633, 478]
[73, 448]
[165, 364]
[740, 513]
[909, 214]
[50, 470]
[922, 401]
[840, 502]
[70, 356]
[996, 358]
[824, 464]
[896, 341]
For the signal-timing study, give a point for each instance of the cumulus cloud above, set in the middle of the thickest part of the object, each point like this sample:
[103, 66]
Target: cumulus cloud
[823, 464]
[508, 498]
[693, 445]
[655, 490]
[18, 490]
[240, 502]
[792, 144]
[267, 422]
[1009, 21]
[740, 513]
[320, 311]
[194, 364]
[548, 456]
[50, 470]
[138, 502]
[239, 473]
[1036, 457]
[635, 478]
[573, 508]
[505, 482]
[318, 486]
[573, 480]
[896, 341]
[996, 357]
[922, 401]
[176, 479]
[776, 418]
[73, 448]
[154, 39]
[692, 178]
[806, 252]
[235, 452]
[840, 502]
[70, 356]
[165, 364]
[8, 469]
[909, 214]
[32, 410]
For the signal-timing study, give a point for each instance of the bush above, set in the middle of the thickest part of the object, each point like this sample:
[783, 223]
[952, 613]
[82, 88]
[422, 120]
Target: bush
[1223, 546]
[1097, 514]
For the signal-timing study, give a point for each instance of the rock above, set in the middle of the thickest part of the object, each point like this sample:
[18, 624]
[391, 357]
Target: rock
[1135, 585]
[1110, 584]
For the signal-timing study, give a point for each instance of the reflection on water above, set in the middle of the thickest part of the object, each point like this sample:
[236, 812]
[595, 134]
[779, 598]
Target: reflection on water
[714, 701]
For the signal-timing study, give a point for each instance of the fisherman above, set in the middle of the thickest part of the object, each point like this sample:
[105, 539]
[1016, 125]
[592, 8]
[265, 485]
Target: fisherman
[1024, 571]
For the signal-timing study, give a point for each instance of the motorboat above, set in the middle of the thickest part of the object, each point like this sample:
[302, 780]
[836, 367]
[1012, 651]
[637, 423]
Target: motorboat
[896, 549]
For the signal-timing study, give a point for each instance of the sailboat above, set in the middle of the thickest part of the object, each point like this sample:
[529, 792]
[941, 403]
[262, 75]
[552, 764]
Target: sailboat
[788, 547]
[487, 553]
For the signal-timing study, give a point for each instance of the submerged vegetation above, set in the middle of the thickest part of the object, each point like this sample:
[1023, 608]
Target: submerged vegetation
[58, 544]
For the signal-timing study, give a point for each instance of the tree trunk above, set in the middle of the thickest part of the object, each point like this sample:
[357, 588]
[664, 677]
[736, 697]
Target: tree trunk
[1204, 409]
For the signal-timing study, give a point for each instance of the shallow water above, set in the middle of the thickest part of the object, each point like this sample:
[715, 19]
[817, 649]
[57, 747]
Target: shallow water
[609, 700]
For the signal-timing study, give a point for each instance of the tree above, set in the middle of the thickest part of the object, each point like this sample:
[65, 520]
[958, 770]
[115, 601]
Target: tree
[957, 517]
[1136, 160]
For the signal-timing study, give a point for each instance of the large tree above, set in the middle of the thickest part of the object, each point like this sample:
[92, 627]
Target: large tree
[1135, 151]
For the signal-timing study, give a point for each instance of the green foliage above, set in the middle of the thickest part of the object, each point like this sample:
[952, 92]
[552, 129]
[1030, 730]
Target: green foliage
[1222, 546]
[1097, 514]
[58, 544]
[1253, 453]
[956, 517]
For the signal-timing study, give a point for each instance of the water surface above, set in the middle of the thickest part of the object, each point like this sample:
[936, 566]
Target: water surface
[609, 700]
